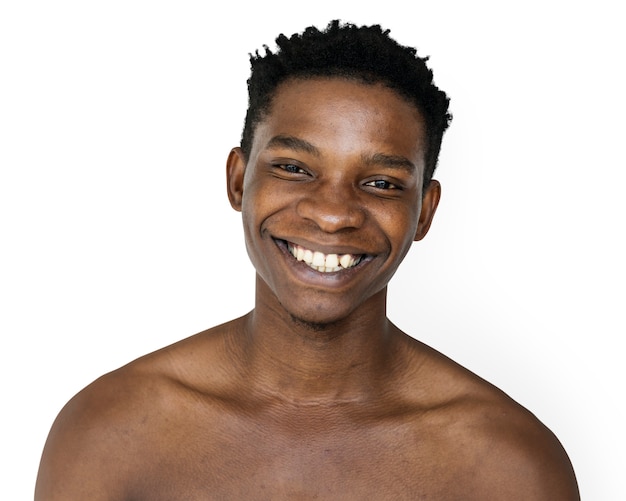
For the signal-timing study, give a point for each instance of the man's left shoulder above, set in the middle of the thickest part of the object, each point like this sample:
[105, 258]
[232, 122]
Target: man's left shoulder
[515, 455]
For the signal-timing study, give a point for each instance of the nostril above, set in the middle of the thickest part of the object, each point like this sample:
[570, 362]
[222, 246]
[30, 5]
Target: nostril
[330, 216]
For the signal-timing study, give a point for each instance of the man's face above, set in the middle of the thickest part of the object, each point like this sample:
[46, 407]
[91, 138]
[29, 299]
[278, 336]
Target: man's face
[331, 195]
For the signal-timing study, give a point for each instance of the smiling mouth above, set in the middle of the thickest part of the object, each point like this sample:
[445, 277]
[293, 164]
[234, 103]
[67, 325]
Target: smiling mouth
[325, 263]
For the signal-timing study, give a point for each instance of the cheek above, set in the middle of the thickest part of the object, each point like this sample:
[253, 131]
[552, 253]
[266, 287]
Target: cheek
[260, 205]
[253, 205]
[266, 200]
[399, 225]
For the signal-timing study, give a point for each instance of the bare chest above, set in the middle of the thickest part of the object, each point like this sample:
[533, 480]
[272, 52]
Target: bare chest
[314, 459]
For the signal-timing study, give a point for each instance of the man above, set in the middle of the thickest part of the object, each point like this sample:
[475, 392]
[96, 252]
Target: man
[314, 394]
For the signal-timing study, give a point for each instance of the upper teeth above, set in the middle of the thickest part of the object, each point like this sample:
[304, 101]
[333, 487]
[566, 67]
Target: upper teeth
[323, 262]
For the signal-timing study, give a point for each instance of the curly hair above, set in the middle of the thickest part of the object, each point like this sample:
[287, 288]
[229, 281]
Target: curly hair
[366, 54]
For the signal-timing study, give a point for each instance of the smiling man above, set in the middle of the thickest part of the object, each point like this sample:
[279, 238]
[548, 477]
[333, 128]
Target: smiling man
[315, 394]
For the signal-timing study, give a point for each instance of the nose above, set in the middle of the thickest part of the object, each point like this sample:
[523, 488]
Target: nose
[331, 208]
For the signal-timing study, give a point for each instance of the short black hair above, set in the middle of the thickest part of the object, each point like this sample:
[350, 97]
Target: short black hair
[367, 54]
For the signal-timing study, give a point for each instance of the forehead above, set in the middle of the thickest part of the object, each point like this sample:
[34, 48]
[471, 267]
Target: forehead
[344, 116]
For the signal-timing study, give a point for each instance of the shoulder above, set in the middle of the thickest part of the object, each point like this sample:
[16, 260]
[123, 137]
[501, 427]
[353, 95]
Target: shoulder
[498, 448]
[88, 453]
[512, 454]
[104, 437]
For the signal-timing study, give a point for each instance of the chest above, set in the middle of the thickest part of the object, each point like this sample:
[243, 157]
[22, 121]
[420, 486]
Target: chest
[311, 459]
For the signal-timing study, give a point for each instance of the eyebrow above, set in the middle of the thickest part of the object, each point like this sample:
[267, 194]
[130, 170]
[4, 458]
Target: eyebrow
[293, 143]
[393, 161]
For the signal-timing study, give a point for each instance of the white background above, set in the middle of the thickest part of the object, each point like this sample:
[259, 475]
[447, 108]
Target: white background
[117, 238]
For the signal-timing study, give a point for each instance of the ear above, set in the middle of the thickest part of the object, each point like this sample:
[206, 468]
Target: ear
[430, 200]
[235, 168]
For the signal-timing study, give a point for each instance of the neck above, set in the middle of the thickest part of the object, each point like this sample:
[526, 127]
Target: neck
[309, 361]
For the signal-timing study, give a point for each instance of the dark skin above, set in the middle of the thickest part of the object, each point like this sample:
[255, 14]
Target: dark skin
[314, 394]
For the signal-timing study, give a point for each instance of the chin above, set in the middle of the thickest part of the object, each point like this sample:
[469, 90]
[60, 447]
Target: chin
[318, 320]
[312, 325]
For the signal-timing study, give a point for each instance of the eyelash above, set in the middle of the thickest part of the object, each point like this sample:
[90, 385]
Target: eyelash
[387, 185]
[291, 168]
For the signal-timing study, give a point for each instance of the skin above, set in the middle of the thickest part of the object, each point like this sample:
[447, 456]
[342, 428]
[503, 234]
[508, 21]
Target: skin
[314, 394]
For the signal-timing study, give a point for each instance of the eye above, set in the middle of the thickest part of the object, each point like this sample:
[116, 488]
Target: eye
[291, 168]
[287, 169]
[381, 184]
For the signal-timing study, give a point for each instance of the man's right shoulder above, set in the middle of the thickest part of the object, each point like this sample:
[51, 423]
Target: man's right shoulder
[102, 437]
[96, 437]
